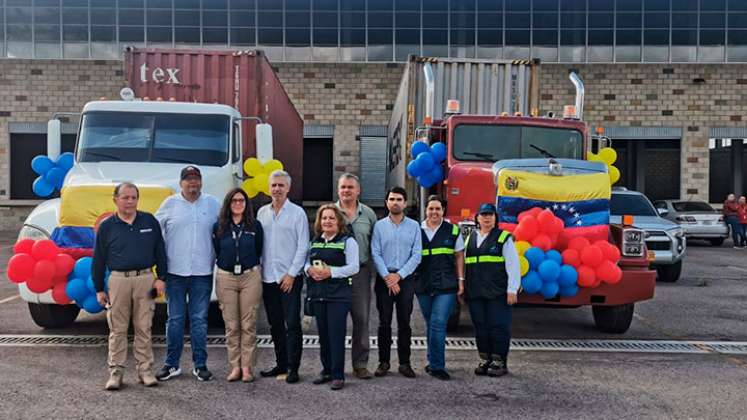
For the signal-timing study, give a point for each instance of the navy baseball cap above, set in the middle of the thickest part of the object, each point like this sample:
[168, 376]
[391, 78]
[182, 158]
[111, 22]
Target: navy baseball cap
[486, 208]
[190, 171]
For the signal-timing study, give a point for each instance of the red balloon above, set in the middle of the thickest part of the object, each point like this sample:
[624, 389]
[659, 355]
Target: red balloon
[23, 246]
[543, 242]
[20, 268]
[609, 273]
[556, 226]
[610, 251]
[597, 282]
[592, 256]
[571, 257]
[59, 279]
[59, 295]
[63, 264]
[44, 249]
[530, 226]
[578, 243]
[586, 276]
[41, 281]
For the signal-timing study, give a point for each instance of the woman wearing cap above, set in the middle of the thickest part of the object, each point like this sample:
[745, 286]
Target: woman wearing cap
[492, 282]
[440, 276]
[237, 239]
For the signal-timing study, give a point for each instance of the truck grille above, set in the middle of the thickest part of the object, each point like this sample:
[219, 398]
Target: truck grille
[658, 245]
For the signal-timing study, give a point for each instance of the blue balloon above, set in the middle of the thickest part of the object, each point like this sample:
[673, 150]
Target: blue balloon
[426, 181]
[535, 256]
[41, 164]
[91, 305]
[76, 290]
[568, 291]
[555, 256]
[438, 150]
[549, 290]
[437, 173]
[417, 148]
[413, 168]
[82, 268]
[549, 270]
[55, 176]
[66, 161]
[568, 276]
[531, 282]
[41, 187]
[425, 162]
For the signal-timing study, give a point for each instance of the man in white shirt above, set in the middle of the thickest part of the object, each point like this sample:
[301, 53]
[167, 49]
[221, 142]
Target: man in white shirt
[187, 221]
[286, 229]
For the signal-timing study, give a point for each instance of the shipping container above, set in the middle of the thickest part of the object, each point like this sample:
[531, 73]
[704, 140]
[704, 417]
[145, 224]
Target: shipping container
[244, 80]
[482, 87]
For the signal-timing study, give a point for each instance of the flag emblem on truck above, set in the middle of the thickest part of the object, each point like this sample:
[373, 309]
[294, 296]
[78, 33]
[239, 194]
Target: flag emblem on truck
[512, 183]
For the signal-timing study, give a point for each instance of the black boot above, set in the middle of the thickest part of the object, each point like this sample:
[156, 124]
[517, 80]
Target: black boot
[482, 368]
[497, 367]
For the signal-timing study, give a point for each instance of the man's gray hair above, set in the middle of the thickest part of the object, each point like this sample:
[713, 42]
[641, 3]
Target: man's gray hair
[348, 175]
[280, 173]
[121, 185]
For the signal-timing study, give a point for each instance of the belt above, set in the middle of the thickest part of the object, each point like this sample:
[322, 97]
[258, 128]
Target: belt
[133, 273]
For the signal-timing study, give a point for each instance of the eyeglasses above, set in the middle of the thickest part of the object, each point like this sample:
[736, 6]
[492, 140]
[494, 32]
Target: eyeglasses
[237, 200]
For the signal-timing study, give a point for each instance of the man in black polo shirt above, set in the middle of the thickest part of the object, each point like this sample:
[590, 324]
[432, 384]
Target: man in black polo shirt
[129, 243]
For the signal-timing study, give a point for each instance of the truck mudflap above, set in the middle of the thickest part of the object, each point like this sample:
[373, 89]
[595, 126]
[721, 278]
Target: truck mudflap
[637, 284]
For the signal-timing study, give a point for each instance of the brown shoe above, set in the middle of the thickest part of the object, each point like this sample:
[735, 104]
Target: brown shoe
[362, 373]
[147, 379]
[234, 376]
[115, 379]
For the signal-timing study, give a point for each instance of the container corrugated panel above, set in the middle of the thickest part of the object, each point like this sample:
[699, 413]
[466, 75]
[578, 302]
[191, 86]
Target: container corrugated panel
[373, 169]
[242, 79]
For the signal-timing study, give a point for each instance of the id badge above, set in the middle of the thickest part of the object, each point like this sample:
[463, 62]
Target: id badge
[237, 269]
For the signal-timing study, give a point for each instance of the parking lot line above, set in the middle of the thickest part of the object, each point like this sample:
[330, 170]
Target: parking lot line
[9, 299]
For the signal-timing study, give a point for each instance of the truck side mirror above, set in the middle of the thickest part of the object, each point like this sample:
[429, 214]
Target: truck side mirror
[263, 138]
[54, 138]
[662, 212]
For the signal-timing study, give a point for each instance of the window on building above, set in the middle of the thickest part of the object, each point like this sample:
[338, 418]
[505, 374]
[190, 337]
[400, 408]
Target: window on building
[24, 147]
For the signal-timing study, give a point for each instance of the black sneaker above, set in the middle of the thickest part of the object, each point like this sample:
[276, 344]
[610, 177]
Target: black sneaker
[428, 369]
[440, 374]
[202, 374]
[167, 372]
[382, 370]
[482, 368]
[292, 377]
[406, 371]
[497, 368]
[322, 379]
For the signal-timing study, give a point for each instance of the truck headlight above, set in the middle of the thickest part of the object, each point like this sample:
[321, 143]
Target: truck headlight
[678, 233]
[32, 232]
[632, 242]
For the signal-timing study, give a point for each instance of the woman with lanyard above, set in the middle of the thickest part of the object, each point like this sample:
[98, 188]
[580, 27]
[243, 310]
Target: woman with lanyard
[492, 282]
[333, 259]
[237, 238]
[440, 277]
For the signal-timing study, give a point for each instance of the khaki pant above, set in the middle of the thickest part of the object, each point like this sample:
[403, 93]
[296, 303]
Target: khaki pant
[239, 298]
[130, 298]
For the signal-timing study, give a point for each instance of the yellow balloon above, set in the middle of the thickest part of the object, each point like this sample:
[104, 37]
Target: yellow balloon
[523, 265]
[249, 188]
[592, 157]
[261, 181]
[614, 175]
[252, 166]
[608, 155]
[522, 246]
[272, 165]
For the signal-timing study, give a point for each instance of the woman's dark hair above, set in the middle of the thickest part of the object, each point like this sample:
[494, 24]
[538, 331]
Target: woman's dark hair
[434, 197]
[224, 217]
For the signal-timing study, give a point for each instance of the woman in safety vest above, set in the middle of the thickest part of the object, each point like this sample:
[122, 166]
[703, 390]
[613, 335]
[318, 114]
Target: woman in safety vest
[332, 261]
[493, 279]
[440, 277]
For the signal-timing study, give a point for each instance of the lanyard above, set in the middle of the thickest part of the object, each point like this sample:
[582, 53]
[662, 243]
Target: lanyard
[237, 238]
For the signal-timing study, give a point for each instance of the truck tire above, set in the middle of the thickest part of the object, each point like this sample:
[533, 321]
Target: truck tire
[716, 241]
[614, 319]
[53, 316]
[452, 325]
[669, 273]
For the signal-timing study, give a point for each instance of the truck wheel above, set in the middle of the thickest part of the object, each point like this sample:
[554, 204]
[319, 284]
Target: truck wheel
[452, 325]
[717, 241]
[215, 316]
[614, 319]
[53, 316]
[669, 273]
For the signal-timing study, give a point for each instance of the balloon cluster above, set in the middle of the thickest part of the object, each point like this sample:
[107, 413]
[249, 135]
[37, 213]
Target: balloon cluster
[540, 228]
[51, 173]
[548, 275]
[260, 173]
[80, 287]
[595, 263]
[426, 163]
[608, 156]
[41, 266]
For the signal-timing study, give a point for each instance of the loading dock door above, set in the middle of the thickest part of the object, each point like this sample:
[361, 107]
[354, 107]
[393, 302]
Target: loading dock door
[651, 166]
[317, 169]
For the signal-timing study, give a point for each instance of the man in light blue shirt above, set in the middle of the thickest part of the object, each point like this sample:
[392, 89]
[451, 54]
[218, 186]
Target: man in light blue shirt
[396, 251]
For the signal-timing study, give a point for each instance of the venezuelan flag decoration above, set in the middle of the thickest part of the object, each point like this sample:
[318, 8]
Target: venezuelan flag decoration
[580, 201]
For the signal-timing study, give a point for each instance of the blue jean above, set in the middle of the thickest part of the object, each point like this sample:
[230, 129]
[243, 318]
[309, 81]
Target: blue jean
[736, 229]
[436, 311]
[187, 295]
[492, 321]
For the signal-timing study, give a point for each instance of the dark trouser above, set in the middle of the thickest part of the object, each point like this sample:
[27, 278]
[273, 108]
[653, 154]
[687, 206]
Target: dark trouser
[284, 315]
[385, 304]
[743, 234]
[331, 321]
[736, 229]
[492, 321]
[360, 308]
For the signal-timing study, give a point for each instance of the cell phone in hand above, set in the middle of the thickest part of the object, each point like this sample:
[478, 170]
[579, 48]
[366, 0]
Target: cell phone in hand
[153, 293]
[318, 263]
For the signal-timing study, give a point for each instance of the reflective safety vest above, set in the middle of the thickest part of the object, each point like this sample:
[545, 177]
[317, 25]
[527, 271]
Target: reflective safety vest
[436, 273]
[485, 266]
[332, 254]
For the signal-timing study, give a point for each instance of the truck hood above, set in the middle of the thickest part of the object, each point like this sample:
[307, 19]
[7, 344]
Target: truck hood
[648, 223]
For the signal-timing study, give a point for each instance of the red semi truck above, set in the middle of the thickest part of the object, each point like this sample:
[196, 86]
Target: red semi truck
[499, 118]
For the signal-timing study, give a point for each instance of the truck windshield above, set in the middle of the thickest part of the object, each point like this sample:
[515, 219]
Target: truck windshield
[138, 137]
[496, 142]
[632, 204]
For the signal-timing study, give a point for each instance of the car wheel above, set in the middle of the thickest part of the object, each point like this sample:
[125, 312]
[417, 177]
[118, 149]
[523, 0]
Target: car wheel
[53, 316]
[716, 241]
[615, 319]
[669, 273]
